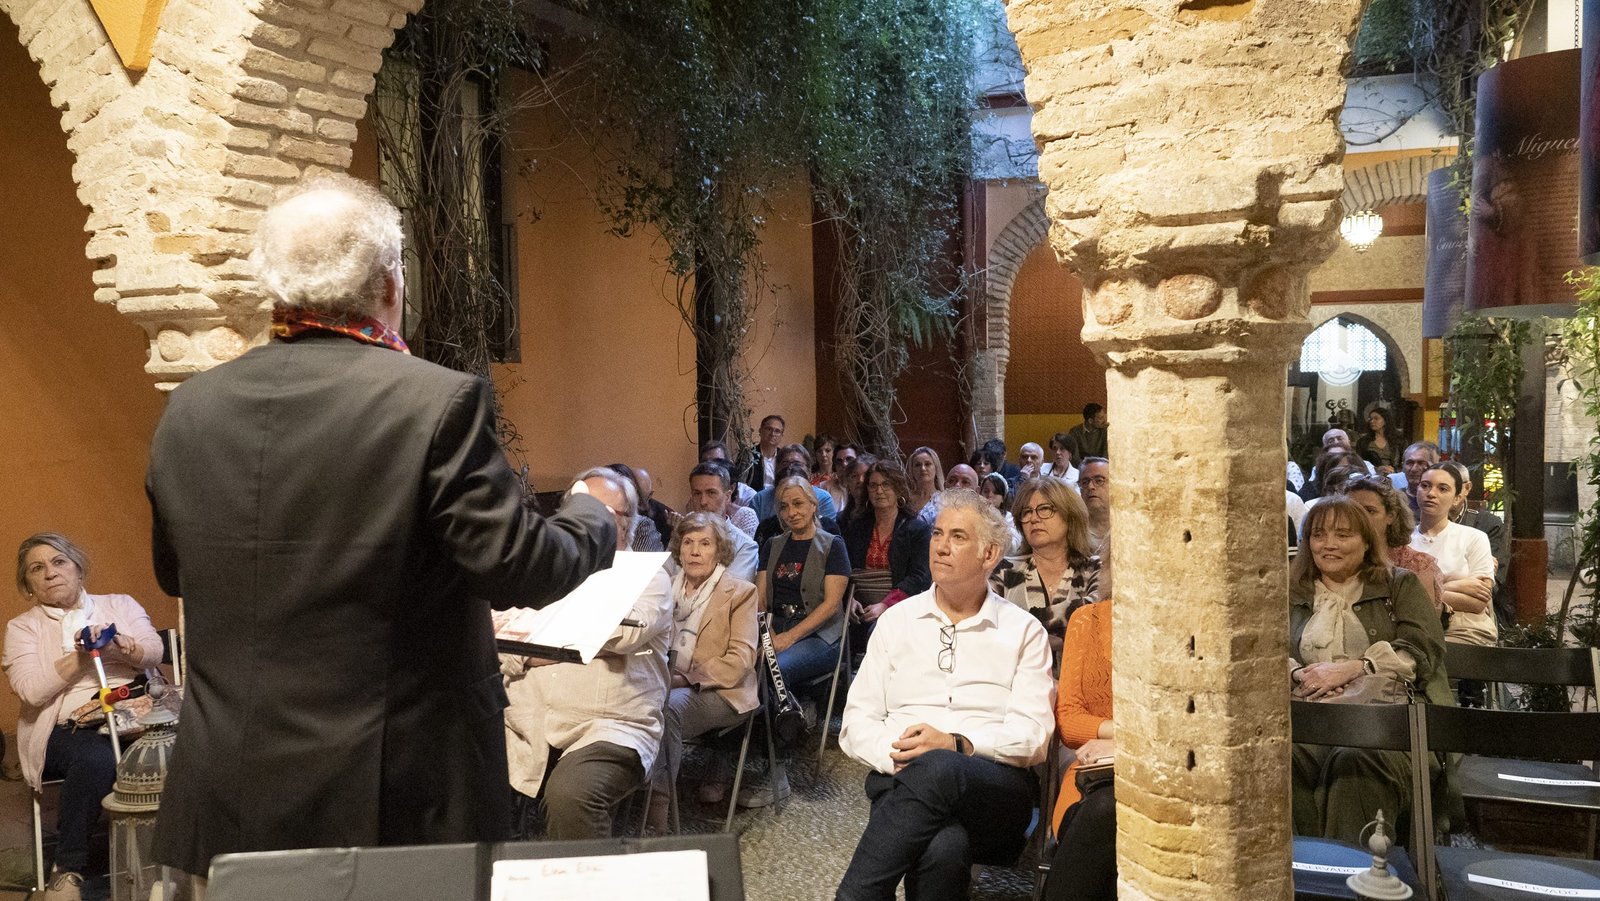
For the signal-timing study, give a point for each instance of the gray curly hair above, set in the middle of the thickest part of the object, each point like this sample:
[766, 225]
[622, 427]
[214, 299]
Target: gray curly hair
[327, 243]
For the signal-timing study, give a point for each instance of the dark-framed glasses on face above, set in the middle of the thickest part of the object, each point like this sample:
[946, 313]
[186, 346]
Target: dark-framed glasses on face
[947, 653]
[1096, 481]
[1040, 512]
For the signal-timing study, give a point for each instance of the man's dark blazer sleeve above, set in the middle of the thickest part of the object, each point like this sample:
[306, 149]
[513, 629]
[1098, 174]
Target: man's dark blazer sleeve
[514, 557]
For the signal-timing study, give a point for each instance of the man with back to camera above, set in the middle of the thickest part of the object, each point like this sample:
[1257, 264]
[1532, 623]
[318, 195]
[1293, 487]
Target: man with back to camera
[339, 518]
[953, 703]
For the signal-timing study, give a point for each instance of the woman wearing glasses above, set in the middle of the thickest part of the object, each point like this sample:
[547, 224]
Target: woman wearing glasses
[889, 549]
[1057, 570]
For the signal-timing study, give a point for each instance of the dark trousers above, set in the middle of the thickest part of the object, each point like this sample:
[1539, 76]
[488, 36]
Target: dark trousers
[83, 759]
[1084, 867]
[582, 787]
[931, 821]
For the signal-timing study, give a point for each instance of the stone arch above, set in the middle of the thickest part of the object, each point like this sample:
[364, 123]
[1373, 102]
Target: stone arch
[1028, 229]
[176, 163]
[1386, 321]
[1391, 182]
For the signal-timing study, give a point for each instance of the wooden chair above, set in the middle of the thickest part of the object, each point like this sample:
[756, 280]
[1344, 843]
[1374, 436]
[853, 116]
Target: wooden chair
[1321, 865]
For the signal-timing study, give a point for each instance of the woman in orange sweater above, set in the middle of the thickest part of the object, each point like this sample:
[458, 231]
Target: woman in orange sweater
[1084, 867]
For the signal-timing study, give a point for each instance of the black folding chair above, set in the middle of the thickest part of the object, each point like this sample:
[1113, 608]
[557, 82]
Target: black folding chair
[1579, 667]
[1321, 865]
[1504, 734]
[1498, 777]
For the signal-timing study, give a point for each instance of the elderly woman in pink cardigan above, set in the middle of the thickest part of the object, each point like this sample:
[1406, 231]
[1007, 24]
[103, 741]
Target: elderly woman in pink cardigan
[54, 676]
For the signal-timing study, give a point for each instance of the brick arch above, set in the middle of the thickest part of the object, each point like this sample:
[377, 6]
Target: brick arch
[1397, 181]
[1027, 230]
[175, 164]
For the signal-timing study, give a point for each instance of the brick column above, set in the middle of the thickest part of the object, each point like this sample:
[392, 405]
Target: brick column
[1193, 161]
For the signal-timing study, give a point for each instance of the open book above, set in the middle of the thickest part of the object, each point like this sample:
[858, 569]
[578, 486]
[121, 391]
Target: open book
[574, 628]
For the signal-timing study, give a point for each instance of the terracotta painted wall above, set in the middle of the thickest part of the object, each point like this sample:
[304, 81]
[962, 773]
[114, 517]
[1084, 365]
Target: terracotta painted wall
[1051, 374]
[607, 369]
[77, 406]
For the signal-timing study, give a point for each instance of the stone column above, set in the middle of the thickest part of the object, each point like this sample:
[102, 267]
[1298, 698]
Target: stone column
[1194, 168]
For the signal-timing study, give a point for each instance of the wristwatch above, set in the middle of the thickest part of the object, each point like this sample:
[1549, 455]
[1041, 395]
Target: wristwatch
[963, 744]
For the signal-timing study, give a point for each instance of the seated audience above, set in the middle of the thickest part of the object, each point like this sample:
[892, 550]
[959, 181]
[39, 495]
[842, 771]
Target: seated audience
[855, 486]
[1392, 525]
[1063, 450]
[709, 488]
[982, 463]
[1339, 438]
[844, 460]
[1056, 570]
[581, 737]
[645, 535]
[950, 709]
[926, 476]
[1084, 867]
[1463, 555]
[716, 450]
[1354, 620]
[802, 580]
[793, 460]
[962, 477]
[1094, 486]
[56, 681]
[1030, 457]
[1326, 460]
[1493, 528]
[995, 490]
[888, 550]
[713, 652]
[822, 459]
[1091, 434]
[1416, 460]
[758, 466]
[995, 448]
[664, 518]
[1380, 444]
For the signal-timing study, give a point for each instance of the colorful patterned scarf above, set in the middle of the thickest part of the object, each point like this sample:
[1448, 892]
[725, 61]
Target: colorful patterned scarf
[293, 324]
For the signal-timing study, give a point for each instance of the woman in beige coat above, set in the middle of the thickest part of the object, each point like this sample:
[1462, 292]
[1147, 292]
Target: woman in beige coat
[713, 651]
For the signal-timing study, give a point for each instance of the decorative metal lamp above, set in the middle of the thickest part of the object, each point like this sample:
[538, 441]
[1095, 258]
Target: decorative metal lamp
[1377, 883]
[132, 804]
[1361, 229]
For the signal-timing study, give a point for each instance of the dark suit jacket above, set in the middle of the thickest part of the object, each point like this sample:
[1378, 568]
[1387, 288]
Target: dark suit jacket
[908, 550]
[338, 519]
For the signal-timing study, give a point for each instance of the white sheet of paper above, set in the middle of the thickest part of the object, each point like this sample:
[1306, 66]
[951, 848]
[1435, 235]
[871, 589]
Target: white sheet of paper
[1534, 780]
[1329, 868]
[1532, 889]
[670, 876]
[585, 618]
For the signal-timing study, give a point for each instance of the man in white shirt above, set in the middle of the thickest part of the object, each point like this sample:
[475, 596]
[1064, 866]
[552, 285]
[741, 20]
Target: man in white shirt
[953, 703]
[709, 488]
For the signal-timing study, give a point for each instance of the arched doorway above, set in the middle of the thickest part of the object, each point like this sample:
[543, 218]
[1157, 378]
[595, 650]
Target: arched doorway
[1347, 366]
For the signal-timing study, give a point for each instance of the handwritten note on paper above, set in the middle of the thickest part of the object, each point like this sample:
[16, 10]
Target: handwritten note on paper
[586, 617]
[670, 875]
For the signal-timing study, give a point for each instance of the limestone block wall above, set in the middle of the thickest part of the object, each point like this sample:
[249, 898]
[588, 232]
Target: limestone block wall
[176, 163]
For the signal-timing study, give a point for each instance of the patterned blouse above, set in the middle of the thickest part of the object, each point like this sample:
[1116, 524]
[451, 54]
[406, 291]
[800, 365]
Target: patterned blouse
[1018, 580]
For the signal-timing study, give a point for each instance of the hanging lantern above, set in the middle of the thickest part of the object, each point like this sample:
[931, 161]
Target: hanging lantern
[132, 805]
[1361, 229]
